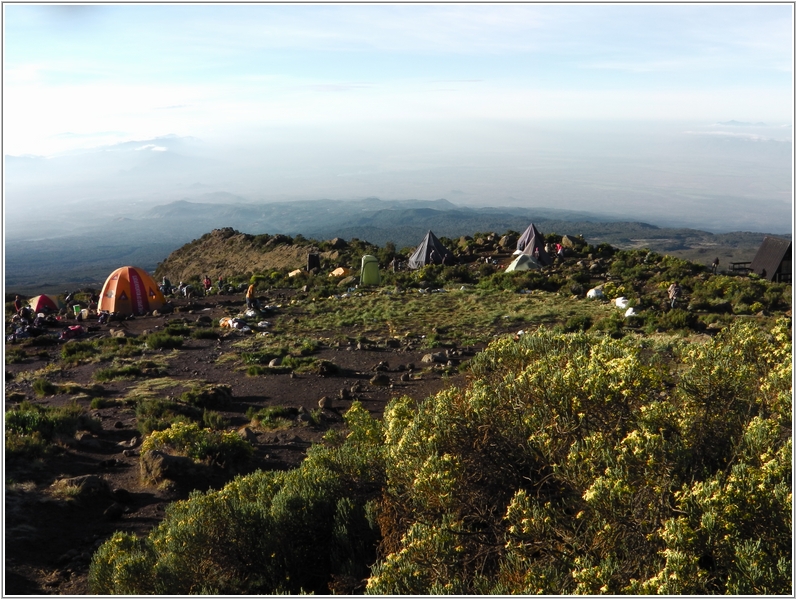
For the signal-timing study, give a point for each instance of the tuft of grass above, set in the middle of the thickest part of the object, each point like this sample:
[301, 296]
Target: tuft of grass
[161, 340]
[205, 334]
[44, 387]
[112, 373]
[272, 417]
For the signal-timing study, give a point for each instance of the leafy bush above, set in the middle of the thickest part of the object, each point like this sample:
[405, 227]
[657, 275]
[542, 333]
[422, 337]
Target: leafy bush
[31, 428]
[213, 420]
[309, 530]
[571, 463]
[75, 352]
[188, 439]
[157, 414]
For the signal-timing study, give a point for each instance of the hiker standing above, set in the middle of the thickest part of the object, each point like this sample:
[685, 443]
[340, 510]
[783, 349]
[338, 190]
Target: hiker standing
[715, 265]
[207, 283]
[17, 304]
[674, 292]
[250, 296]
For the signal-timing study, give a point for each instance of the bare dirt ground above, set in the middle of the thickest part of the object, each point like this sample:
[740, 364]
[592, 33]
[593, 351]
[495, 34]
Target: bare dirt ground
[49, 539]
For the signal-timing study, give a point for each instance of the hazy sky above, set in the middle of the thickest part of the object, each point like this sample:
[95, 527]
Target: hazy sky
[80, 76]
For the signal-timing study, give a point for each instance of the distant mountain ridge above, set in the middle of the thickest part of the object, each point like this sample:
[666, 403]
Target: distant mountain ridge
[85, 256]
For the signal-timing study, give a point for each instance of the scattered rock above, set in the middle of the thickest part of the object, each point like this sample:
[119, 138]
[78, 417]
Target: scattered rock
[344, 394]
[507, 241]
[405, 376]
[381, 367]
[131, 443]
[122, 495]
[114, 511]
[356, 388]
[119, 425]
[247, 434]
[87, 484]
[325, 402]
[380, 380]
[157, 466]
[436, 357]
[275, 362]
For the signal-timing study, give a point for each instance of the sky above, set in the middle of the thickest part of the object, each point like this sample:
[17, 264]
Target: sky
[388, 87]
[81, 75]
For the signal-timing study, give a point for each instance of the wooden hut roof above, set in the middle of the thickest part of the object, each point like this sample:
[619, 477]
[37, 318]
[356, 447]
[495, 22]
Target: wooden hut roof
[772, 252]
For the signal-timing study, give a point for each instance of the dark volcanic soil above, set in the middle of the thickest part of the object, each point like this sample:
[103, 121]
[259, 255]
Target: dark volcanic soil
[50, 539]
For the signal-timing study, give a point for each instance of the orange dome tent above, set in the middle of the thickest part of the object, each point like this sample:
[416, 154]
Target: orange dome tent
[130, 291]
[45, 302]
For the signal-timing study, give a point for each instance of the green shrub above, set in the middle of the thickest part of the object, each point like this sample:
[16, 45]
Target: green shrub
[156, 414]
[15, 355]
[30, 428]
[213, 420]
[569, 464]
[578, 323]
[307, 530]
[217, 447]
[272, 417]
[75, 352]
[97, 403]
[43, 387]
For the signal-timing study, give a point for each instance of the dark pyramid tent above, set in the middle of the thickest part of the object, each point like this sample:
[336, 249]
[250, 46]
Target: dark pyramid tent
[773, 259]
[532, 240]
[431, 252]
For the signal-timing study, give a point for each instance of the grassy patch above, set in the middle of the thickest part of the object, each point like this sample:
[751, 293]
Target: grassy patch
[161, 340]
[272, 417]
[30, 428]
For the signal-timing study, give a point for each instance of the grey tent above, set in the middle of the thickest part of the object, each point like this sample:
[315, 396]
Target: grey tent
[430, 252]
[773, 259]
[532, 243]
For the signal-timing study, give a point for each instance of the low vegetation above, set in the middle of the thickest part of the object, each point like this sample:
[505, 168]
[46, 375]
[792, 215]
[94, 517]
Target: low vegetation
[572, 463]
[32, 430]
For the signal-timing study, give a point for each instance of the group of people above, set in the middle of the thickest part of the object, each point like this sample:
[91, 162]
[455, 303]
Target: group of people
[187, 290]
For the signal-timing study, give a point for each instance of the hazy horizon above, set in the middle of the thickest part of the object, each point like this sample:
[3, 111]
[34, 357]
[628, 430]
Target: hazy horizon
[677, 115]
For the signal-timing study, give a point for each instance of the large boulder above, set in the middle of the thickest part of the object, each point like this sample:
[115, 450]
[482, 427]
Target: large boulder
[157, 466]
[82, 486]
[508, 241]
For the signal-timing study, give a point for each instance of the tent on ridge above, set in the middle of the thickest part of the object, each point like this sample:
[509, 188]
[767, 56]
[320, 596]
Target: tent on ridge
[130, 291]
[523, 262]
[532, 240]
[45, 303]
[431, 252]
[370, 270]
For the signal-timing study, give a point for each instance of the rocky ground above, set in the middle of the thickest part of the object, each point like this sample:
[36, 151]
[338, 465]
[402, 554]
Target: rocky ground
[51, 535]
